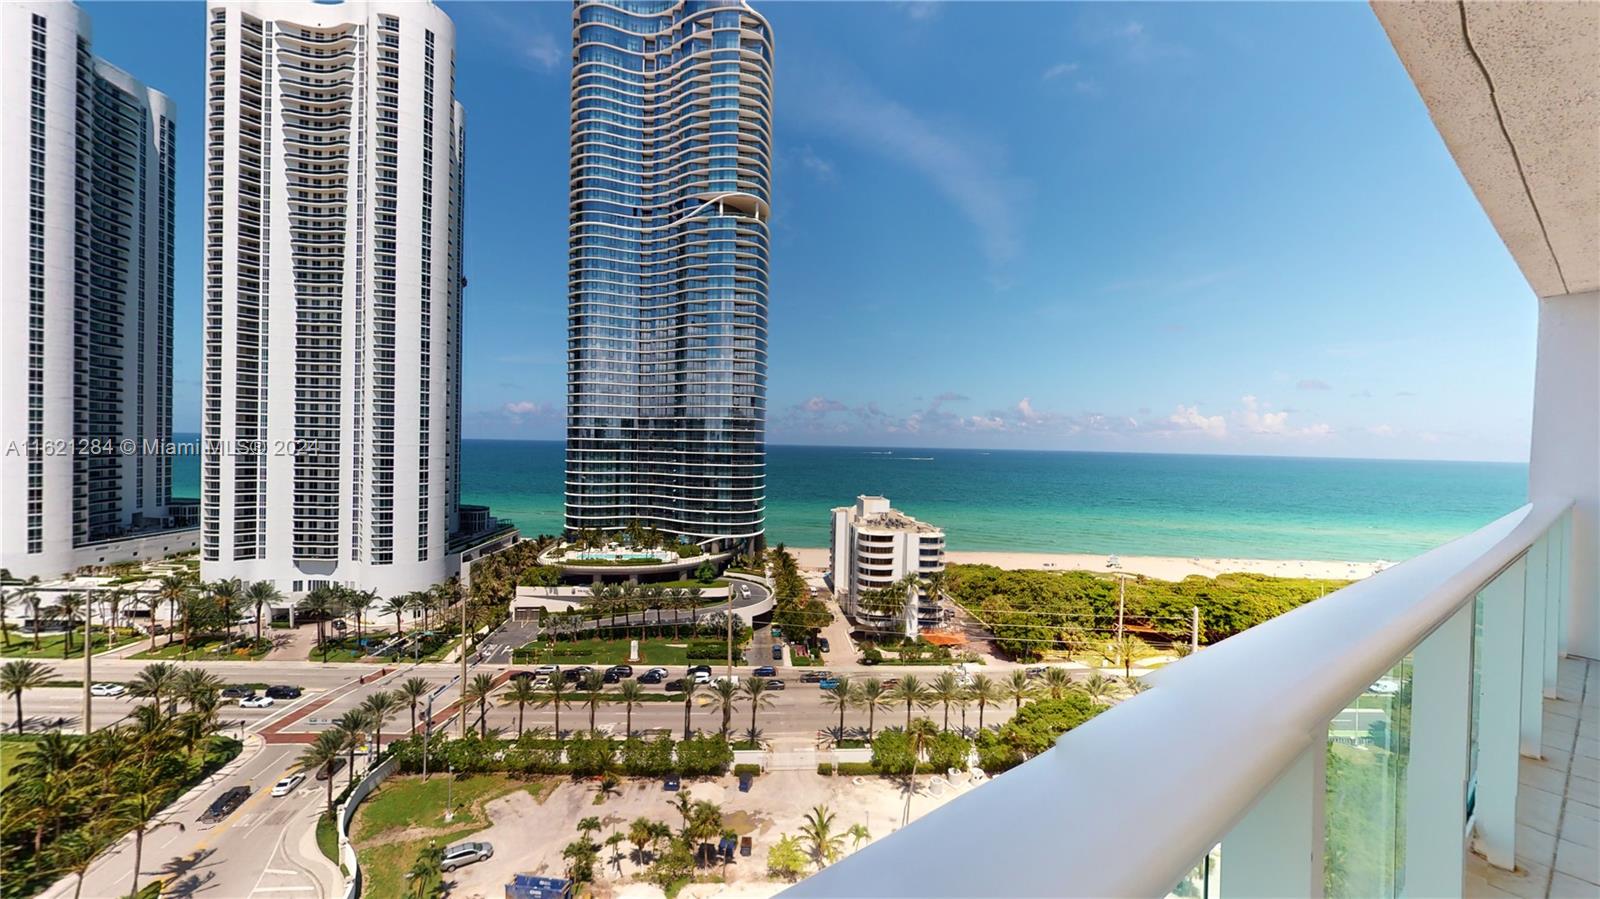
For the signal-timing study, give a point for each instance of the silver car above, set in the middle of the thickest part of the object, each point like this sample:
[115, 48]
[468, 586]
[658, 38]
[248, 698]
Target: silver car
[464, 854]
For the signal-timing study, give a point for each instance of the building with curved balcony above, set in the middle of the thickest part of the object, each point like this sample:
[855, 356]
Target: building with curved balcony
[671, 185]
[88, 160]
[335, 176]
[873, 548]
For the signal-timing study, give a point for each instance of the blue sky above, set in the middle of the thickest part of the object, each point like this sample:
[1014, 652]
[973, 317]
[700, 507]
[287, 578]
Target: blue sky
[1149, 227]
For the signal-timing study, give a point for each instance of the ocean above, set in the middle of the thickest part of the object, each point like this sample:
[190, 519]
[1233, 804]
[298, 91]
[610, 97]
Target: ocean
[1128, 504]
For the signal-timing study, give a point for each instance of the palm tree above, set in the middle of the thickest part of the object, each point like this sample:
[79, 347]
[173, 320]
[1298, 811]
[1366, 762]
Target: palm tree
[30, 596]
[5, 601]
[259, 595]
[141, 791]
[479, 690]
[593, 686]
[1097, 687]
[872, 695]
[20, 675]
[519, 693]
[68, 605]
[555, 699]
[984, 691]
[413, 691]
[352, 727]
[324, 753]
[320, 603]
[154, 681]
[641, 833]
[1018, 686]
[423, 876]
[817, 830]
[910, 691]
[174, 590]
[945, 689]
[842, 697]
[227, 592]
[1057, 681]
[690, 689]
[630, 694]
[395, 605]
[193, 685]
[760, 695]
[114, 600]
[382, 706]
[858, 834]
[724, 697]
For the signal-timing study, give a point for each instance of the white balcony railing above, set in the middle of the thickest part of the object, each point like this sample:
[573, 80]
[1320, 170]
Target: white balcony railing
[1231, 745]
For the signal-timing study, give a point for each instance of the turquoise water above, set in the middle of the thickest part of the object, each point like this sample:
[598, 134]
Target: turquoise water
[1129, 504]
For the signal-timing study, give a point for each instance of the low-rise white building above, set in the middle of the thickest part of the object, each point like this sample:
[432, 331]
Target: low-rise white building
[873, 547]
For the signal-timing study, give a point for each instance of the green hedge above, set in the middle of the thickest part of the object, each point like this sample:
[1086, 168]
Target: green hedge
[825, 769]
[706, 650]
[742, 770]
[585, 757]
[857, 769]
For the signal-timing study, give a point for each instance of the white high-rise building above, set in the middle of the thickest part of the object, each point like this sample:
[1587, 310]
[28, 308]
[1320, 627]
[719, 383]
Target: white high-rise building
[877, 557]
[334, 166]
[87, 159]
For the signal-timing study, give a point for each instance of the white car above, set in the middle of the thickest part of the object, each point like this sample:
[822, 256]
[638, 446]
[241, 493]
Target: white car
[546, 670]
[107, 690]
[700, 677]
[541, 682]
[256, 702]
[286, 786]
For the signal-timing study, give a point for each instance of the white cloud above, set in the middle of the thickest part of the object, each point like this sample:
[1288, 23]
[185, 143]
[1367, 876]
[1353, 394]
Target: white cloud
[969, 172]
[1312, 384]
[1025, 410]
[815, 165]
[1058, 70]
[533, 47]
[1188, 418]
[920, 10]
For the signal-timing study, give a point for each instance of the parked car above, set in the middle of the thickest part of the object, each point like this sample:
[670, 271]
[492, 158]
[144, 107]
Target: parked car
[575, 674]
[237, 693]
[283, 691]
[829, 683]
[286, 786]
[653, 676]
[776, 632]
[775, 684]
[541, 682]
[326, 771]
[621, 670]
[256, 702]
[810, 677]
[546, 670]
[107, 690]
[777, 652]
[890, 682]
[464, 854]
[226, 804]
[1036, 671]
[701, 677]
[676, 685]
[823, 642]
[765, 671]
[695, 668]
[516, 674]
[339, 625]
[610, 677]
[731, 678]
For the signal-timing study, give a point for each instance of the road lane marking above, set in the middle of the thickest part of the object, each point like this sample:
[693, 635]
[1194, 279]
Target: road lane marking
[296, 889]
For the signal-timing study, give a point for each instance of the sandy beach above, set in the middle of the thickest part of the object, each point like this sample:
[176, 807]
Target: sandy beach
[1165, 568]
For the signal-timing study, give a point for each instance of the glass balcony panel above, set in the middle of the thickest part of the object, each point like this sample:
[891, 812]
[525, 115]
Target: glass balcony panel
[1369, 746]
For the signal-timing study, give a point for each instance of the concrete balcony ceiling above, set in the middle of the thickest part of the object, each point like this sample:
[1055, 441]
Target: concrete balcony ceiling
[1514, 89]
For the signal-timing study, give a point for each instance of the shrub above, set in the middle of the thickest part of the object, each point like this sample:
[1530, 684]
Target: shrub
[591, 756]
[688, 550]
[891, 752]
[742, 770]
[706, 573]
[948, 750]
[704, 755]
[857, 769]
[825, 769]
[704, 649]
[1034, 730]
[872, 656]
[647, 759]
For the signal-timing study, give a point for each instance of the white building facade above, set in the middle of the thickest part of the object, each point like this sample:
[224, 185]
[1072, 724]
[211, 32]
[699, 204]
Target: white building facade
[87, 157]
[335, 175]
[873, 547]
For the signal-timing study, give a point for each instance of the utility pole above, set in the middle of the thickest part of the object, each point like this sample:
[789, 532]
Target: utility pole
[1122, 605]
[730, 630]
[1194, 629]
[461, 729]
[88, 654]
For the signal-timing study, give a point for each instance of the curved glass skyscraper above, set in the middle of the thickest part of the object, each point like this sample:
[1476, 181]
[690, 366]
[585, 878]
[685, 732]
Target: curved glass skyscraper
[667, 317]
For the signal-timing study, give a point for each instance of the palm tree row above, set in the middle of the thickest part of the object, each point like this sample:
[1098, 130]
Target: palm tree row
[71, 795]
[947, 692]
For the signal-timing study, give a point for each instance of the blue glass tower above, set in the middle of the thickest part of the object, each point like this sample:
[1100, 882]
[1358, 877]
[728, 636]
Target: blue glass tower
[667, 307]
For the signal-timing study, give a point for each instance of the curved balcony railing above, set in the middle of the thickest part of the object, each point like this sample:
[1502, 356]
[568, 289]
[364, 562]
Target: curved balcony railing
[1452, 651]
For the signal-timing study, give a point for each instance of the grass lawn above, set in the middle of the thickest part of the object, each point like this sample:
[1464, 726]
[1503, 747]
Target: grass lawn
[11, 753]
[652, 651]
[344, 649]
[406, 802]
[801, 660]
[50, 645]
[328, 838]
[684, 585]
[203, 649]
